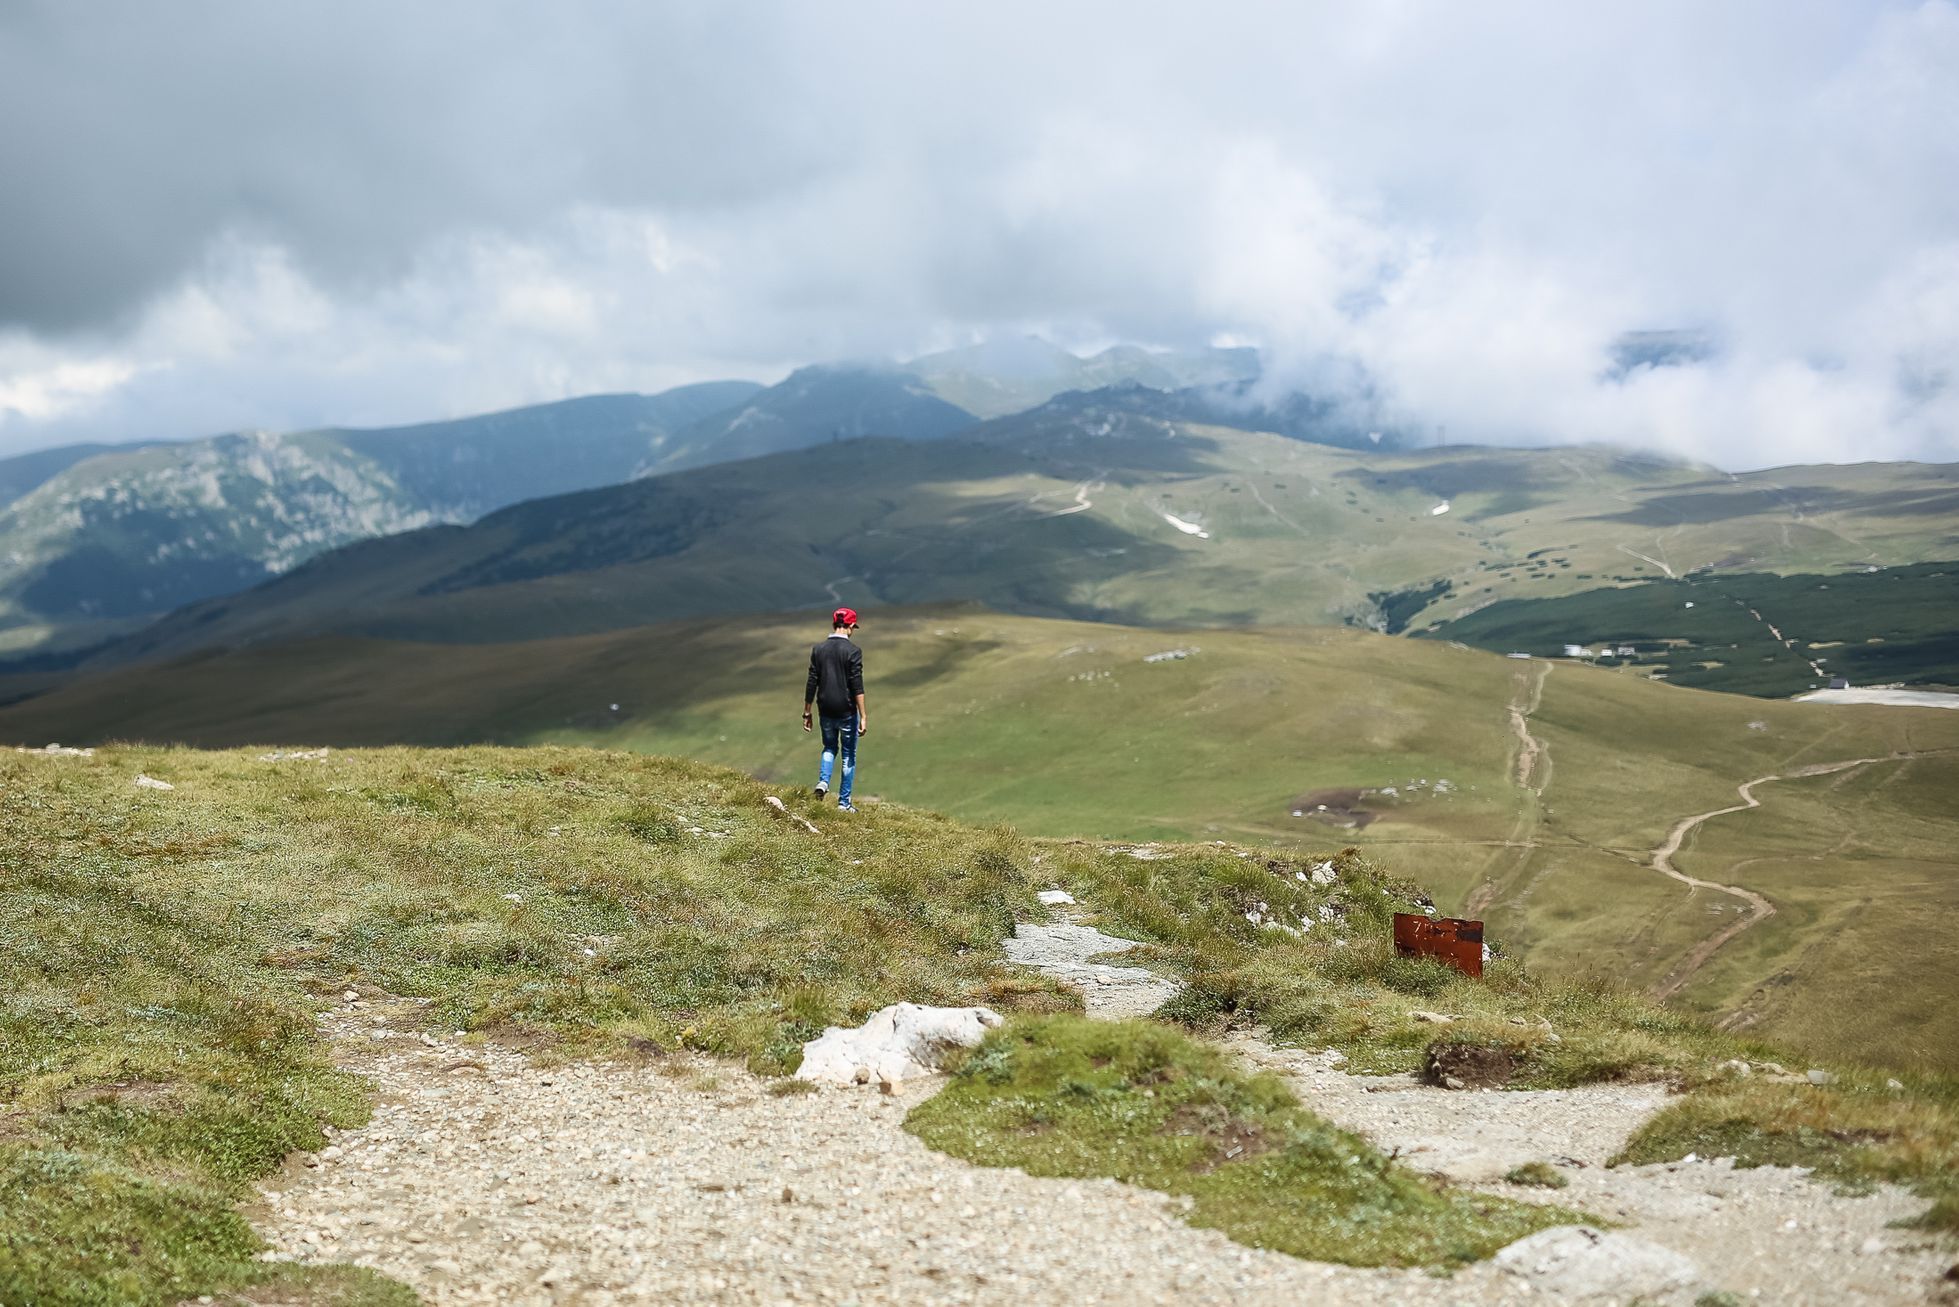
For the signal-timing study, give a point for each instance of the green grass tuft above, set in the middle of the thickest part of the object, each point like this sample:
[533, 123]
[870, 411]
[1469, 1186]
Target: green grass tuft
[1142, 1103]
[1856, 1132]
[1541, 1175]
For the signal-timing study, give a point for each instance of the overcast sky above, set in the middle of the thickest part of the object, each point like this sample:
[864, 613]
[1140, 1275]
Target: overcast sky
[221, 215]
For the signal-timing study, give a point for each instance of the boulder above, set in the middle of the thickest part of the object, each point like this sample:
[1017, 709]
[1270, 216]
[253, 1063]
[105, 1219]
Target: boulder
[1579, 1263]
[900, 1042]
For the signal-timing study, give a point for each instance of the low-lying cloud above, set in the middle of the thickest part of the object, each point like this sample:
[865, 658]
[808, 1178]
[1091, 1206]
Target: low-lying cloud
[228, 214]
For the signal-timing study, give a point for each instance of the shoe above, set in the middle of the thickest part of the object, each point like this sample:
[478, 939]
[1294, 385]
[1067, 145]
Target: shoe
[822, 790]
[846, 806]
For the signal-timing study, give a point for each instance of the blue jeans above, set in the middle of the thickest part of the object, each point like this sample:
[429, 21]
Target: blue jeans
[839, 737]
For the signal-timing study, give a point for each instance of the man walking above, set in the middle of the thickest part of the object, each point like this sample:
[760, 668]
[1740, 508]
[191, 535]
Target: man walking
[836, 688]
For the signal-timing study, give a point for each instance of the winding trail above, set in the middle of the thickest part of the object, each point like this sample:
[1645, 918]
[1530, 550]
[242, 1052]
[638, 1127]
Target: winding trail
[1529, 748]
[1759, 908]
[1530, 751]
[1648, 558]
[1082, 502]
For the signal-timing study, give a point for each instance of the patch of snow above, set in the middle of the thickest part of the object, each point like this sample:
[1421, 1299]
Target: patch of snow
[1188, 528]
[1055, 898]
[1439, 509]
[1169, 655]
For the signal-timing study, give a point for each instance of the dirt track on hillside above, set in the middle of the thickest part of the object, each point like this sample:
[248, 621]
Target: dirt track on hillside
[1530, 752]
[1759, 908]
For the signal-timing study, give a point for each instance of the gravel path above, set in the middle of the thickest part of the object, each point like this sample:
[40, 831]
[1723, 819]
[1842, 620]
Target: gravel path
[1066, 951]
[1767, 1232]
[485, 1179]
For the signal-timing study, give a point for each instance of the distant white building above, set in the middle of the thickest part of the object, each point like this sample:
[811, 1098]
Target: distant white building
[1625, 651]
[1578, 651]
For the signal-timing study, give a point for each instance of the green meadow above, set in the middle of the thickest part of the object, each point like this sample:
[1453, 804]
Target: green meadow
[165, 953]
[1069, 729]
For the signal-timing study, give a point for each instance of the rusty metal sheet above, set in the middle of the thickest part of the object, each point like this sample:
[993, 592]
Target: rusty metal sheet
[1455, 940]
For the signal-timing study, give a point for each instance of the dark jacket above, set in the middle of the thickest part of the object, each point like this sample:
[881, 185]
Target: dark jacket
[836, 677]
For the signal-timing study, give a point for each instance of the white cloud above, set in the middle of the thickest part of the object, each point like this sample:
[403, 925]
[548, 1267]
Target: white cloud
[1463, 204]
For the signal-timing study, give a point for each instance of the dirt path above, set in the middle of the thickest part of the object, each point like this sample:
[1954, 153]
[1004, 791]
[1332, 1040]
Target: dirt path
[1648, 558]
[1759, 908]
[1530, 751]
[1767, 1234]
[484, 1178]
[1082, 502]
[1529, 748]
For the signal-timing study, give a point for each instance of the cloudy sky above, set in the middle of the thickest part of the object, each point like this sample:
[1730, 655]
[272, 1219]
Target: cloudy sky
[224, 214]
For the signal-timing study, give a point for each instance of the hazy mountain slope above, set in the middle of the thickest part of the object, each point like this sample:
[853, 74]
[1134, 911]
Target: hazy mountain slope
[471, 466]
[1409, 749]
[23, 472]
[125, 534]
[135, 531]
[1080, 508]
[811, 406]
[1012, 375]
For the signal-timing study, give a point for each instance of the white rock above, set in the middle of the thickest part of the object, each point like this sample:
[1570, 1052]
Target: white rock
[1818, 1076]
[900, 1042]
[1323, 873]
[152, 783]
[1431, 1018]
[1579, 1262]
[1736, 1067]
[1056, 897]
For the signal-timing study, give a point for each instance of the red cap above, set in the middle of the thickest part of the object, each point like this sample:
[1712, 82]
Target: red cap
[844, 617]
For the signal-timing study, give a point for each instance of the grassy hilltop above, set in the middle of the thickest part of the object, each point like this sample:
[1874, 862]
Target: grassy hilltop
[166, 951]
[1412, 747]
